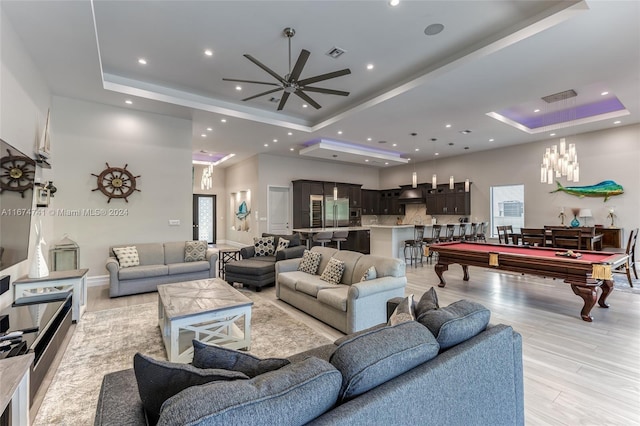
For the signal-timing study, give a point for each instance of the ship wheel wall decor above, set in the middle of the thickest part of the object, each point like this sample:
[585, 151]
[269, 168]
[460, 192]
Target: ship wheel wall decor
[116, 182]
[16, 173]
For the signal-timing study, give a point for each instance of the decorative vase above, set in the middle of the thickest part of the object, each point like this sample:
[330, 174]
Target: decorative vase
[575, 222]
[38, 268]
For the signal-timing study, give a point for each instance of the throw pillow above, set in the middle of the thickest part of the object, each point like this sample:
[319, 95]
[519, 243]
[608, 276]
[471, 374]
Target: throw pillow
[160, 380]
[333, 271]
[370, 274]
[127, 256]
[428, 301]
[264, 246]
[310, 262]
[282, 244]
[373, 358]
[403, 312]
[456, 323]
[195, 251]
[209, 356]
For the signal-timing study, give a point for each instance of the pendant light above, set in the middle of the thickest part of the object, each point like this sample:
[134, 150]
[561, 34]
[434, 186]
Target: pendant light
[414, 175]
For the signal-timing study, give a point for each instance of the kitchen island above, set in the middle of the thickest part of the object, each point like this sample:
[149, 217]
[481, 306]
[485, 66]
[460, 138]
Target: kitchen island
[388, 240]
[354, 232]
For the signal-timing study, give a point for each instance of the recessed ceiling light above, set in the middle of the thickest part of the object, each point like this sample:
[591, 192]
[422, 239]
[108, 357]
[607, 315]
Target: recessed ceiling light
[394, 144]
[208, 52]
[394, 2]
[142, 61]
[386, 163]
[369, 139]
[290, 133]
[433, 29]
[436, 153]
[275, 140]
[417, 149]
[224, 120]
[209, 129]
[604, 93]
[291, 149]
[366, 161]
[238, 87]
[552, 134]
[266, 144]
[339, 132]
[369, 66]
[204, 135]
[304, 105]
[128, 102]
[491, 140]
[536, 110]
[617, 122]
[448, 126]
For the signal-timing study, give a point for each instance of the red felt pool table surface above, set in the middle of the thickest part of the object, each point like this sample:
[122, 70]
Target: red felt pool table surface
[585, 274]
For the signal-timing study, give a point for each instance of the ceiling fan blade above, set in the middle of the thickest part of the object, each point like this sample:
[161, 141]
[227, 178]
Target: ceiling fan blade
[267, 69]
[323, 77]
[263, 93]
[306, 98]
[283, 100]
[300, 63]
[325, 91]
[250, 81]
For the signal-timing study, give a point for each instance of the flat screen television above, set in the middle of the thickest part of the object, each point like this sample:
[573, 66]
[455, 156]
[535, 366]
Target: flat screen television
[17, 174]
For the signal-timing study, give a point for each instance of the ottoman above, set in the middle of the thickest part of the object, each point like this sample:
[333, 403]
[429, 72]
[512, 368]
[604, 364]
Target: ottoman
[251, 273]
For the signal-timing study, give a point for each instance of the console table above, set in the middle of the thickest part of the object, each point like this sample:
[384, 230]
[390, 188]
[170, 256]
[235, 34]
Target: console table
[57, 281]
[15, 387]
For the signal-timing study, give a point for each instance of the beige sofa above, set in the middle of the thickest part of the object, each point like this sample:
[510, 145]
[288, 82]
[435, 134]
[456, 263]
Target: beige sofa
[160, 263]
[351, 305]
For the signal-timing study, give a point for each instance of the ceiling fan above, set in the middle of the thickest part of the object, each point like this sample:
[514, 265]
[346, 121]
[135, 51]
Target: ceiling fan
[290, 83]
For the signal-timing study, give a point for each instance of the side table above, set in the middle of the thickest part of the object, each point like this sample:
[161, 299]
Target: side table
[57, 281]
[15, 387]
[226, 255]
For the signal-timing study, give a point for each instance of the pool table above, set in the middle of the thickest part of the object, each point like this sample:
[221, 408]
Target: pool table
[585, 274]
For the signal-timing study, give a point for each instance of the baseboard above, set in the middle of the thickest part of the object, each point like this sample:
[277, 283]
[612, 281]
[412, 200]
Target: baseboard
[98, 281]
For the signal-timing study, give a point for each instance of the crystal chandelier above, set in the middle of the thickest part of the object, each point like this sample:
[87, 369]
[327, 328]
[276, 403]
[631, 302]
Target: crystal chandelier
[207, 177]
[560, 162]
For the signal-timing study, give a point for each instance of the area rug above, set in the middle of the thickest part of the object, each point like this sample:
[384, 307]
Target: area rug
[621, 283]
[105, 341]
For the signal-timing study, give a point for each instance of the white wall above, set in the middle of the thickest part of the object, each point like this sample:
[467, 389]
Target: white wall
[24, 100]
[241, 177]
[612, 154]
[156, 147]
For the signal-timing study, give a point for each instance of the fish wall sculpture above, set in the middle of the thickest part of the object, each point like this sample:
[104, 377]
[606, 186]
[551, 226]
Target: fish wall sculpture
[606, 189]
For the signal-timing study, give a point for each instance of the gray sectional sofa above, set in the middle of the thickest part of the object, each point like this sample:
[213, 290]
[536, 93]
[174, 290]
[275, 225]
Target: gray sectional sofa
[160, 263]
[388, 375]
[353, 304]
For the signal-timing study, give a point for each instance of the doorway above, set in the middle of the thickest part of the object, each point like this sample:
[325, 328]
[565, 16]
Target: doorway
[278, 210]
[204, 218]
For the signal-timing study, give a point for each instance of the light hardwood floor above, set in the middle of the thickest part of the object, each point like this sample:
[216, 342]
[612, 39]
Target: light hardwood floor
[575, 373]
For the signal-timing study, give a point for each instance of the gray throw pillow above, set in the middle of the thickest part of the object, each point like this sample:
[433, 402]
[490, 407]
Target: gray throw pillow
[127, 256]
[456, 323]
[209, 356]
[264, 246]
[294, 394]
[370, 359]
[195, 251]
[404, 312]
[428, 301]
[160, 380]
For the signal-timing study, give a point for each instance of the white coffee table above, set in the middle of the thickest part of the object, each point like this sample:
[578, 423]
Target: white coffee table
[210, 311]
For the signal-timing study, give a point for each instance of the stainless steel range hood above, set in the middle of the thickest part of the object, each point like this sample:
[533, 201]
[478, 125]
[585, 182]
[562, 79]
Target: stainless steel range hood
[412, 196]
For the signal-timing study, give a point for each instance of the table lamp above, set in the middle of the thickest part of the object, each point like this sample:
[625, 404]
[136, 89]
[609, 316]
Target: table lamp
[585, 213]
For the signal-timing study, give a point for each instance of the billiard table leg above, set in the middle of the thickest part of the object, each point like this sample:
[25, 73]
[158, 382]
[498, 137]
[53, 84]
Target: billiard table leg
[607, 288]
[440, 268]
[588, 294]
[465, 270]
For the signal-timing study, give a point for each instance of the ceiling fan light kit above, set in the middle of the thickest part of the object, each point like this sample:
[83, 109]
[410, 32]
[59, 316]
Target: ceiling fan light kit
[291, 83]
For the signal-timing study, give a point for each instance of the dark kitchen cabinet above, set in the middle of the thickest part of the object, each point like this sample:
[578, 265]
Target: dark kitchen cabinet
[370, 202]
[302, 190]
[355, 196]
[390, 203]
[444, 201]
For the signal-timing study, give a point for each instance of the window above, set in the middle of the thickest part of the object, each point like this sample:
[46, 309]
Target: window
[507, 207]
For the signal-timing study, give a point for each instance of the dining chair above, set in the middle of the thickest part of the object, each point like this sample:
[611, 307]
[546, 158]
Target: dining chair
[631, 252]
[533, 237]
[339, 237]
[415, 247]
[566, 238]
[504, 233]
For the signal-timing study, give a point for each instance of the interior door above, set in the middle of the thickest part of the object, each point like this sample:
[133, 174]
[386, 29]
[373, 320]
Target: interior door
[204, 218]
[279, 211]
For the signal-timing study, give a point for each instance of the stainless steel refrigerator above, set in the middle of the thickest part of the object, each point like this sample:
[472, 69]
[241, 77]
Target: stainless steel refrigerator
[336, 212]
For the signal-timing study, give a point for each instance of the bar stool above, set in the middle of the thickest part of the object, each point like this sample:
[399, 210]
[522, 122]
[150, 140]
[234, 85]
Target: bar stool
[323, 237]
[451, 229]
[434, 239]
[338, 237]
[462, 231]
[415, 246]
[471, 232]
